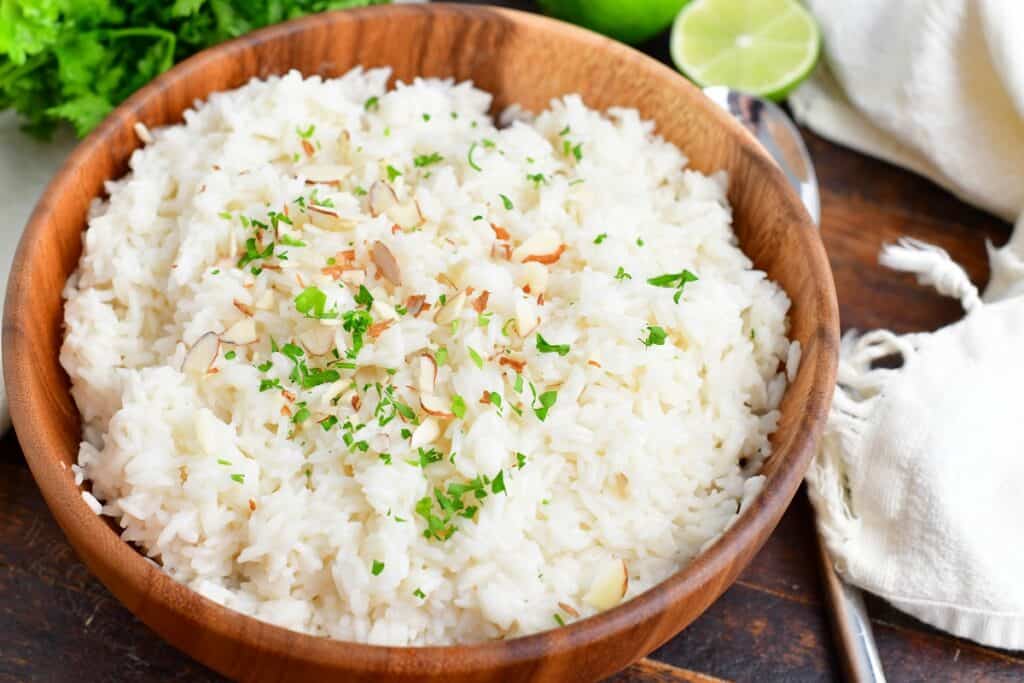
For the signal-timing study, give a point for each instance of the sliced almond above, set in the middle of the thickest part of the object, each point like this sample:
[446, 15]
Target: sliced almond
[527, 319]
[329, 219]
[426, 377]
[386, 262]
[200, 358]
[435, 405]
[534, 277]
[308, 148]
[377, 329]
[245, 308]
[407, 215]
[427, 432]
[380, 198]
[242, 332]
[317, 340]
[499, 232]
[451, 310]
[325, 174]
[540, 244]
[568, 609]
[414, 304]
[609, 586]
[516, 365]
[382, 310]
[548, 258]
[480, 303]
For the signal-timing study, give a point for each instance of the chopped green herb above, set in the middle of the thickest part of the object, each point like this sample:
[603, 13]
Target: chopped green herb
[328, 422]
[498, 485]
[601, 238]
[639, 241]
[478, 218]
[495, 398]
[371, 104]
[312, 302]
[621, 274]
[418, 593]
[546, 401]
[225, 215]
[359, 191]
[307, 133]
[301, 415]
[577, 151]
[377, 568]
[655, 336]
[268, 384]
[506, 202]
[676, 281]
[469, 158]
[458, 406]
[290, 241]
[506, 328]
[484, 319]
[426, 117]
[427, 159]
[536, 178]
[239, 478]
[477, 360]
[230, 355]
[363, 297]
[441, 356]
[753, 334]
[222, 461]
[559, 620]
[518, 386]
[406, 434]
[357, 323]
[564, 131]
[545, 347]
[215, 271]
[520, 460]
[385, 457]
[263, 367]
[393, 173]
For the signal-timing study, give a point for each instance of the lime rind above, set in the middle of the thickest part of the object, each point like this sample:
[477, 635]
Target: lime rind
[764, 47]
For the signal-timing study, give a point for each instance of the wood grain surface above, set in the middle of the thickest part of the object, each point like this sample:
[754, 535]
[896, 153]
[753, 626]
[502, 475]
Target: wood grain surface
[57, 621]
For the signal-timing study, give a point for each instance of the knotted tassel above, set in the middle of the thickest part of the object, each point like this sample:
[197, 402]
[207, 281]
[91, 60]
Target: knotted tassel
[934, 267]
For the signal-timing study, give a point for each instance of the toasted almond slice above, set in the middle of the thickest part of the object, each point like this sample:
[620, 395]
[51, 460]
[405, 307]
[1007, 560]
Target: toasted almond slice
[383, 310]
[568, 609]
[542, 242]
[499, 232]
[407, 215]
[480, 303]
[426, 378]
[435, 405]
[242, 332]
[534, 277]
[380, 198]
[386, 262]
[324, 174]
[328, 219]
[308, 148]
[609, 586]
[200, 358]
[546, 259]
[245, 308]
[378, 328]
[527, 319]
[414, 304]
[451, 310]
[516, 365]
[317, 340]
[427, 432]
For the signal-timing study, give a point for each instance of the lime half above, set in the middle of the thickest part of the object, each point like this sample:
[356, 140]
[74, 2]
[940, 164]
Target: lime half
[762, 47]
[631, 21]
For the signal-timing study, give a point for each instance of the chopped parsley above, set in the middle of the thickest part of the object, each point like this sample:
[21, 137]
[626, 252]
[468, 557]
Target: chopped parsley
[537, 179]
[655, 336]
[290, 241]
[498, 484]
[507, 202]
[268, 384]
[564, 131]
[230, 355]
[266, 365]
[495, 399]
[639, 241]
[371, 104]
[393, 173]
[222, 461]
[477, 359]
[328, 422]
[427, 159]
[306, 133]
[520, 460]
[312, 302]
[377, 568]
[418, 593]
[301, 415]
[542, 403]
[559, 620]
[458, 406]
[676, 281]
[546, 347]
[252, 252]
[385, 458]
[359, 191]
[621, 274]
[469, 158]
[426, 117]
[601, 238]
[357, 323]
[363, 297]
[518, 386]
[441, 356]
[239, 478]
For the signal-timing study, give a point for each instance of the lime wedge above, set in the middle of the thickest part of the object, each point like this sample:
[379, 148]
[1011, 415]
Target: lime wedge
[763, 47]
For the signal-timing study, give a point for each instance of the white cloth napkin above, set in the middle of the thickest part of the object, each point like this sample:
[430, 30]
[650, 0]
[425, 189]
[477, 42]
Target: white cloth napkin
[917, 482]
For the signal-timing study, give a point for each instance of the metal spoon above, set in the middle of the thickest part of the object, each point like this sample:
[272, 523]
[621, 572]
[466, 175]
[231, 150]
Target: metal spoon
[770, 125]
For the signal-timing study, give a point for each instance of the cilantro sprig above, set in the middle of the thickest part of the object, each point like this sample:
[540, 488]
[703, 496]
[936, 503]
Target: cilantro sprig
[676, 281]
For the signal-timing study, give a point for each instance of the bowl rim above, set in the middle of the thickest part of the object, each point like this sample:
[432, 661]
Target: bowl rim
[125, 564]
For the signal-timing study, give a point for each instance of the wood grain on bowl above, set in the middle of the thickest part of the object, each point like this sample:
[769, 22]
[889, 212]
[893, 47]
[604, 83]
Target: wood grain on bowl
[522, 59]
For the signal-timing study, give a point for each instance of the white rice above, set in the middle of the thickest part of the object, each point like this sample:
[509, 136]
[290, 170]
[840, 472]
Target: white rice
[644, 458]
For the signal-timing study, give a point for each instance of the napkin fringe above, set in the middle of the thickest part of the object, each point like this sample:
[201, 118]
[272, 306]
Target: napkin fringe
[933, 266]
[860, 384]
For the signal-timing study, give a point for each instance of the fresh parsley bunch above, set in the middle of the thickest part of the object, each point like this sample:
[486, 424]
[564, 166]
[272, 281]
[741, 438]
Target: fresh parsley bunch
[75, 60]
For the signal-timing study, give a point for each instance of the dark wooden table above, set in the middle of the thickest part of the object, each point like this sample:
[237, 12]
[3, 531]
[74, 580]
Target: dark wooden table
[57, 623]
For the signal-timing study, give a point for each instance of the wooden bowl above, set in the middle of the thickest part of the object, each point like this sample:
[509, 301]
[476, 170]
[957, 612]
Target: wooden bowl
[520, 58]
